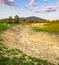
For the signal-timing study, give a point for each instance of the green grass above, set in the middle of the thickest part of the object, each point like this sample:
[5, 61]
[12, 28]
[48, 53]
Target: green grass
[22, 57]
[28, 63]
[49, 27]
[4, 26]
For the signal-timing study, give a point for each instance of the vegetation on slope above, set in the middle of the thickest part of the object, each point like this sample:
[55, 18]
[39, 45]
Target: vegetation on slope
[4, 26]
[17, 57]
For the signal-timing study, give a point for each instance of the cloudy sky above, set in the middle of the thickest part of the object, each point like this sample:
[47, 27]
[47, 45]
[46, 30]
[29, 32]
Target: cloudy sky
[47, 9]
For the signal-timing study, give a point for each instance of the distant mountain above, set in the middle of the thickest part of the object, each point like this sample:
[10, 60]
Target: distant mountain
[29, 19]
[32, 18]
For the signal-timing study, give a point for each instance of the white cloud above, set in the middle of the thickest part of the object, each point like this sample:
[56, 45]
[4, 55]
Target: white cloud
[31, 2]
[9, 3]
[11, 0]
[35, 8]
[50, 9]
[32, 6]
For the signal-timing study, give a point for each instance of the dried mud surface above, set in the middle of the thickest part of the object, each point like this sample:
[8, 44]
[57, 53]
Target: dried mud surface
[39, 44]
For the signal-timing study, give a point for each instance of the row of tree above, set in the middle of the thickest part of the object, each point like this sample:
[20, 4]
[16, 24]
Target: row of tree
[16, 19]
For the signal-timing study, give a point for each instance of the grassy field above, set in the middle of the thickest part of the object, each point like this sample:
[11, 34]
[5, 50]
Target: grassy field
[49, 27]
[4, 26]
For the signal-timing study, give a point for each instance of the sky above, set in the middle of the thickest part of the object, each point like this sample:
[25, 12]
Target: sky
[47, 9]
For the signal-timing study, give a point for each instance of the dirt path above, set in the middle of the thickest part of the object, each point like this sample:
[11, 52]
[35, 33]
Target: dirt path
[38, 44]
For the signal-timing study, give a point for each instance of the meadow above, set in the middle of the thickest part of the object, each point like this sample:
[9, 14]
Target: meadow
[48, 27]
[5, 26]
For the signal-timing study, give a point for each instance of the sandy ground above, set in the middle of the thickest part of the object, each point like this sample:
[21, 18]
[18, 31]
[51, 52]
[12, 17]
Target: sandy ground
[39, 44]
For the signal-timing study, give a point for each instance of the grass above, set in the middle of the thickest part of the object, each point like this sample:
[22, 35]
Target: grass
[28, 63]
[49, 27]
[4, 26]
[23, 57]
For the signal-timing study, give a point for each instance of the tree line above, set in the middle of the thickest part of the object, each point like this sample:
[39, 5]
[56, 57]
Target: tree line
[16, 19]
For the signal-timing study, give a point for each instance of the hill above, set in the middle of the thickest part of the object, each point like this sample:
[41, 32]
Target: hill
[32, 18]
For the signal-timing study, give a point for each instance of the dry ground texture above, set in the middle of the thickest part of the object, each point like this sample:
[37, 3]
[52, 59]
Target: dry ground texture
[38, 44]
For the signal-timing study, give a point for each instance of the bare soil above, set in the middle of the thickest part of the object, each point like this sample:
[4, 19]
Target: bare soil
[37, 44]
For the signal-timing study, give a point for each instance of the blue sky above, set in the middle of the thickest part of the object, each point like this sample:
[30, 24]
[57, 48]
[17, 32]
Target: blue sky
[47, 9]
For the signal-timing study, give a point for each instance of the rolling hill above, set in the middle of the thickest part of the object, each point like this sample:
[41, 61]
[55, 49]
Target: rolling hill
[32, 18]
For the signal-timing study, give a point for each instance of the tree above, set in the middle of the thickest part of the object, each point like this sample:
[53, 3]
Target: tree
[16, 19]
[10, 19]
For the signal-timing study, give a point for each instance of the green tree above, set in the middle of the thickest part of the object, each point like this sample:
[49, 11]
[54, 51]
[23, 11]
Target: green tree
[10, 19]
[16, 19]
